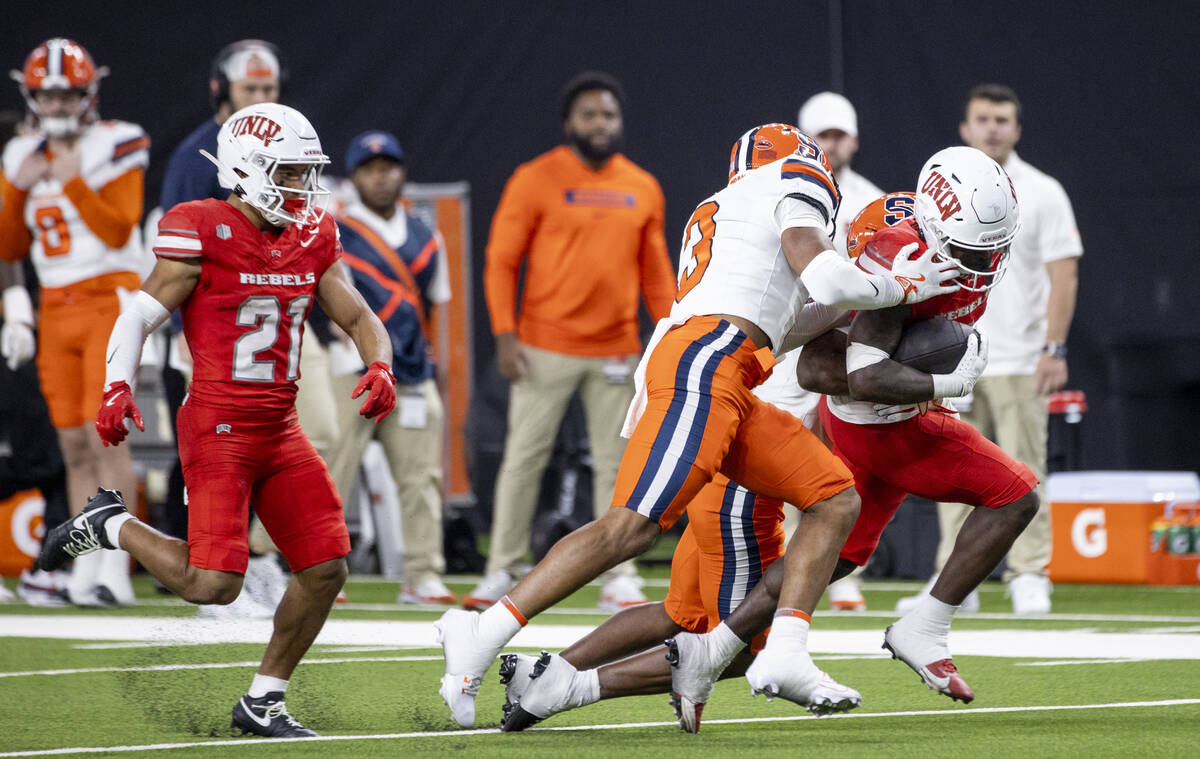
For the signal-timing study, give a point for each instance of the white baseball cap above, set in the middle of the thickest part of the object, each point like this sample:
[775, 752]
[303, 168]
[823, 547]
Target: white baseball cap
[252, 60]
[828, 110]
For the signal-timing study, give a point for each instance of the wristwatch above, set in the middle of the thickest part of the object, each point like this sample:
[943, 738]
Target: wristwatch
[1055, 350]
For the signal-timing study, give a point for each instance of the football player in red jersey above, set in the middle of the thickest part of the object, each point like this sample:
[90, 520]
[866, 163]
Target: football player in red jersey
[244, 273]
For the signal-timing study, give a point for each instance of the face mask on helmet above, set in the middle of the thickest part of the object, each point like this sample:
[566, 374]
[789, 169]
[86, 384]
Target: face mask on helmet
[270, 156]
[60, 65]
[967, 210]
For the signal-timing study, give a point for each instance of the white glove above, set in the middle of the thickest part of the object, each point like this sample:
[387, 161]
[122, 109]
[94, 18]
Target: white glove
[17, 344]
[901, 411]
[962, 380]
[922, 277]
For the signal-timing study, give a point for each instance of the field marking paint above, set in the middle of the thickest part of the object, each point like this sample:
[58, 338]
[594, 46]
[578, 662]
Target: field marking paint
[1063, 662]
[576, 728]
[1006, 643]
[208, 665]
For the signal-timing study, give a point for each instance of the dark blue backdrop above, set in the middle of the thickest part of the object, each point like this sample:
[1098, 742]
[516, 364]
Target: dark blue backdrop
[472, 88]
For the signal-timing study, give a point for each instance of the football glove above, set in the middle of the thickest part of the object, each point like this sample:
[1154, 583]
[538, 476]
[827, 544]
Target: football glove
[922, 277]
[381, 398]
[116, 407]
[962, 380]
[17, 344]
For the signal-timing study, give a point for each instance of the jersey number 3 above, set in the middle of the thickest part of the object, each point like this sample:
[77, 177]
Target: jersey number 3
[263, 313]
[700, 228]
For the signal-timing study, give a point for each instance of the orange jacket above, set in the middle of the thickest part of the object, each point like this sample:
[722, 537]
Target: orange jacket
[592, 239]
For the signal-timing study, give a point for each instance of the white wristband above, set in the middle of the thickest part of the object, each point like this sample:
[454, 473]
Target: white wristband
[948, 386]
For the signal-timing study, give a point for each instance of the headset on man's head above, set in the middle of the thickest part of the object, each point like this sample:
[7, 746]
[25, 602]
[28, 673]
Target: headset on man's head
[218, 83]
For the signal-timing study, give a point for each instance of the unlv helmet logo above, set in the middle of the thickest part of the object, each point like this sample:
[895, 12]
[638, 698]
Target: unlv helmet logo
[938, 188]
[256, 126]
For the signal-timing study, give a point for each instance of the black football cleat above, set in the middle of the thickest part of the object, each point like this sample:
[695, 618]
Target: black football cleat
[268, 717]
[81, 534]
[515, 717]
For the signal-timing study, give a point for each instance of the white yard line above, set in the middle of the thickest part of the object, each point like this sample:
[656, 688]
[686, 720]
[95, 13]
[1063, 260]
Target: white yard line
[573, 728]
[207, 665]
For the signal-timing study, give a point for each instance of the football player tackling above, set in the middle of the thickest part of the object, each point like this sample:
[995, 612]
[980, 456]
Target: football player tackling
[244, 273]
[751, 253]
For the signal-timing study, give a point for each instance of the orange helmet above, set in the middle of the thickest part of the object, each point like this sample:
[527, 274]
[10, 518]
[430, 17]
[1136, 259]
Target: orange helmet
[762, 145]
[61, 64]
[885, 211]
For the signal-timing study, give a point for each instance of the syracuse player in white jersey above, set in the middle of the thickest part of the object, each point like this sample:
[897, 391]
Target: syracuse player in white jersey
[71, 198]
[245, 273]
[751, 254]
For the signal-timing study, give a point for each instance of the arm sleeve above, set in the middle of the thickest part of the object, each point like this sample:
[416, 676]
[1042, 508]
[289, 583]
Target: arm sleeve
[143, 315]
[656, 275]
[113, 212]
[15, 237]
[512, 227]
[834, 281]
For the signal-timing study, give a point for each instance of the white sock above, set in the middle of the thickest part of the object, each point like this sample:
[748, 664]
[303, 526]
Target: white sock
[585, 688]
[113, 525]
[498, 624]
[264, 684]
[932, 617]
[789, 631]
[725, 642]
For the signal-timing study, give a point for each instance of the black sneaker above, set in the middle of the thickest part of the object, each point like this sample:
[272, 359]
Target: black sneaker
[81, 534]
[267, 716]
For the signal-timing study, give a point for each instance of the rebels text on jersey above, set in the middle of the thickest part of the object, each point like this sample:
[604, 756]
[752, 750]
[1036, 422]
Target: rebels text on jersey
[961, 305]
[244, 321]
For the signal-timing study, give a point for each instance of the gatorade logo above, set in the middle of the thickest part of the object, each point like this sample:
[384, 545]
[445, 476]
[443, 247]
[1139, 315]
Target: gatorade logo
[1088, 534]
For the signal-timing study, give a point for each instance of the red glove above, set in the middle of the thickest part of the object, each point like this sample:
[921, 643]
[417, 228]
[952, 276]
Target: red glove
[116, 407]
[382, 396]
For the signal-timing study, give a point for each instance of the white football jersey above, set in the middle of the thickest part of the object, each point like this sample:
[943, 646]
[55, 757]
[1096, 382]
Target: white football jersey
[65, 250]
[731, 261]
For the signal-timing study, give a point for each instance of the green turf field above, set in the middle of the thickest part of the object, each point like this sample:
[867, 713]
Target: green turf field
[1115, 671]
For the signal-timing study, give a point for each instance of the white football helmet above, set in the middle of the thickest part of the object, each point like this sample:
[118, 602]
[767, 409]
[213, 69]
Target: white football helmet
[966, 207]
[256, 141]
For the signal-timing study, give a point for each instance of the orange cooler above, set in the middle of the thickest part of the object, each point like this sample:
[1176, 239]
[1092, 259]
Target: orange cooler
[1104, 524]
[20, 531]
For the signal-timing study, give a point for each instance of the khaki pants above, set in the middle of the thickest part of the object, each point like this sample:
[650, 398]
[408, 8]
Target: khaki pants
[414, 455]
[318, 416]
[536, 407]
[1010, 411]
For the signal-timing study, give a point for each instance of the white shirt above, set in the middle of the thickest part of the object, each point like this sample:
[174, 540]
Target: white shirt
[857, 193]
[394, 232]
[64, 249]
[1015, 320]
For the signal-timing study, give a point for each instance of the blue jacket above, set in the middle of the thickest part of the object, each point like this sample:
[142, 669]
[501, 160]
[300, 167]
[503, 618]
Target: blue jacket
[191, 176]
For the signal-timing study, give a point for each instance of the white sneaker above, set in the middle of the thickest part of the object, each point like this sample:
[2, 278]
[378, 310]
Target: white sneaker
[552, 688]
[42, 588]
[467, 660]
[265, 580]
[494, 586]
[431, 590]
[846, 595]
[6, 595]
[695, 668]
[970, 604]
[792, 675]
[929, 657]
[243, 607]
[114, 575]
[621, 592]
[515, 671]
[1030, 594]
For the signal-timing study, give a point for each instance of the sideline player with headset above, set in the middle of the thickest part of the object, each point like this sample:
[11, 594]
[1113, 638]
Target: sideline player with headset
[244, 273]
[698, 659]
[71, 199]
[751, 254]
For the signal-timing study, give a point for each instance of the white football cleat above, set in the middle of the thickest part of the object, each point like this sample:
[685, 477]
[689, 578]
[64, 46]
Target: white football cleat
[929, 657]
[846, 595]
[515, 671]
[467, 660]
[621, 592]
[777, 672]
[547, 692]
[244, 607]
[1030, 594]
[695, 669]
[431, 590]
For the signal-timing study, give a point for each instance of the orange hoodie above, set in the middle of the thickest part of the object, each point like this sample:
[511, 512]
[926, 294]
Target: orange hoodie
[592, 240]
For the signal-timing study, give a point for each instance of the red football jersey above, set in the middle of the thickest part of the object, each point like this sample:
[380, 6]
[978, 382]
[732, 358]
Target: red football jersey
[960, 306]
[244, 322]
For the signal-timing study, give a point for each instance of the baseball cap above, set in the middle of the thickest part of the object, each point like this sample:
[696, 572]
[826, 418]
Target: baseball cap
[251, 60]
[828, 110]
[370, 144]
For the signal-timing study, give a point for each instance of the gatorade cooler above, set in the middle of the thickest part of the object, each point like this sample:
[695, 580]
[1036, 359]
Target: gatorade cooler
[20, 531]
[1111, 527]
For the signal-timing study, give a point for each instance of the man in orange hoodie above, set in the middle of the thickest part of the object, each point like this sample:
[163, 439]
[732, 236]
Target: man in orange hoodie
[588, 223]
